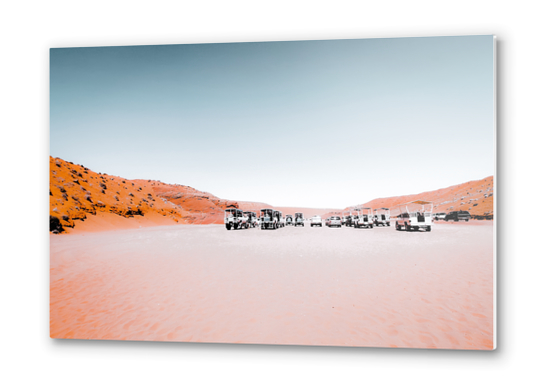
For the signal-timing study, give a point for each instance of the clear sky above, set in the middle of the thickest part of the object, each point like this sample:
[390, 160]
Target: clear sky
[323, 124]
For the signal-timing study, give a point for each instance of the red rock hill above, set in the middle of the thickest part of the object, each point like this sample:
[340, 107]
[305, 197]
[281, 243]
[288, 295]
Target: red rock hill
[77, 193]
[475, 197]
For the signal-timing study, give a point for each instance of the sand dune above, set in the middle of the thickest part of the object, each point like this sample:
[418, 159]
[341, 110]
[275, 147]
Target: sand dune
[474, 196]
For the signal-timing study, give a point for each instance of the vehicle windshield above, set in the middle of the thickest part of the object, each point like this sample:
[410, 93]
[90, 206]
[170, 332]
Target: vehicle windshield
[233, 213]
[266, 213]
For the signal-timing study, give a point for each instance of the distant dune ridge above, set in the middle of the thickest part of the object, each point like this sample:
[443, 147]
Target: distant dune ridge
[94, 201]
[476, 197]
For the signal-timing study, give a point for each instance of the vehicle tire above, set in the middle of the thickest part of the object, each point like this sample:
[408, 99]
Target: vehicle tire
[428, 229]
[407, 228]
[397, 226]
[235, 226]
[228, 227]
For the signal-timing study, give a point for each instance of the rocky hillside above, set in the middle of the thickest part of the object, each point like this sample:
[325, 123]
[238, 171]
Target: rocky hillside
[76, 192]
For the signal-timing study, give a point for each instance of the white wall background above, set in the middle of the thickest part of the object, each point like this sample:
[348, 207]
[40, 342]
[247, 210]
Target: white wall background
[29, 29]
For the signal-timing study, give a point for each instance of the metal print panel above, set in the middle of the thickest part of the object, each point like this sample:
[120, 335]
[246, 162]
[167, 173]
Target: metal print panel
[332, 193]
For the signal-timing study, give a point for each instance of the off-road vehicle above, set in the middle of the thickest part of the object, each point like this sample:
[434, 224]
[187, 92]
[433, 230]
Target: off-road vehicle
[382, 217]
[354, 217]
[282, 220]
[234, 219]
[268, 219]
[289, 220]
[414, 216]
[299, 220]
[252, 219]
[364, 218]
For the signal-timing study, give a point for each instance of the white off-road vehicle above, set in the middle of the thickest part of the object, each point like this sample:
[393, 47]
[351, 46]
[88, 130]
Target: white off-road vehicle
[354, 217]
[364, 219]
[269, 219]
[414, 216]
[382, 217]
[235, 219]
[316, 220]
[252, 219]
[282, 220]
[299, 220]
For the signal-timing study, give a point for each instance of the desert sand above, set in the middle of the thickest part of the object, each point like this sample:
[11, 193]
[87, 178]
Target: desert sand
[310, 286]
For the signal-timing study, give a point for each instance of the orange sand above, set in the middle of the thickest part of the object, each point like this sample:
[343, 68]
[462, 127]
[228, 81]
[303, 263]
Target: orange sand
[311, 286]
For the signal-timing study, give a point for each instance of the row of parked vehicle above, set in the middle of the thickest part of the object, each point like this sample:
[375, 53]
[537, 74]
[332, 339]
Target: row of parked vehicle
[410, 216]
[235, 218]
[453, 216]
[361, 218]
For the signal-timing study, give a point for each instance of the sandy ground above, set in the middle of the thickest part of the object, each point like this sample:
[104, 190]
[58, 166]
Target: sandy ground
[311, 286]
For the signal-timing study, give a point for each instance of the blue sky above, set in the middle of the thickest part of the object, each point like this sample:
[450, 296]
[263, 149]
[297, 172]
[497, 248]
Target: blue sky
[307, 123]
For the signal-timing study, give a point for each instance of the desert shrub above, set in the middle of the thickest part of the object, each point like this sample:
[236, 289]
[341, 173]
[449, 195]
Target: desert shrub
[54, 225]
